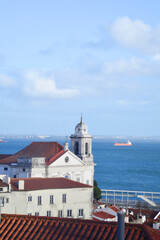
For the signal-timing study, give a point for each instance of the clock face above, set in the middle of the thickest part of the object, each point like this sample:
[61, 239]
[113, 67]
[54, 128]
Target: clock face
[66, 159]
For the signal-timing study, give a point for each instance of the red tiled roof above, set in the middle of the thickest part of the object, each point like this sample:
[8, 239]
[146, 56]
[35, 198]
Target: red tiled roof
[38, 228]
[102, 214]
[147, 213]
[46, 183]
[2, 184]
[50, 150]
[2, 156]
[115, 209]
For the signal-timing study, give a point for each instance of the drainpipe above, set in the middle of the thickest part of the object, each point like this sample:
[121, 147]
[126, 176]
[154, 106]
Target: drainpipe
[121, 226]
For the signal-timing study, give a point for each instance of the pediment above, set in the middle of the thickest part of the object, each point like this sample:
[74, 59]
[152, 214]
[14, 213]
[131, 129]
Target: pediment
[67, 159]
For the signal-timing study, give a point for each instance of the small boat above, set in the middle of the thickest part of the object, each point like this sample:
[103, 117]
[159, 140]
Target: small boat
[2, 141]
[123, 144]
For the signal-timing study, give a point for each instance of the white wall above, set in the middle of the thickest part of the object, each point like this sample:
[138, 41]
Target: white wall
[77, 198]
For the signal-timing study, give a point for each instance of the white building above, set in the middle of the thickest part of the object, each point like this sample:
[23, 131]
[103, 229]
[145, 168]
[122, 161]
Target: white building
[58, 197]
[50, 159]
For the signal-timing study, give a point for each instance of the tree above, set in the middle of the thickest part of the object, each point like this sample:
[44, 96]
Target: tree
[97, 191]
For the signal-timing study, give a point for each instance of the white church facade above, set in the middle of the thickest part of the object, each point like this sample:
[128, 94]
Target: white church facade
[51, 159]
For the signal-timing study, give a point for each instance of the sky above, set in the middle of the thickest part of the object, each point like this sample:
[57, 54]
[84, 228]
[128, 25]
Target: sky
[59, 59]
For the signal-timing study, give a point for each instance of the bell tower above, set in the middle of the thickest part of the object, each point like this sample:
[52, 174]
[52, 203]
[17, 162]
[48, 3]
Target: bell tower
[81, 143]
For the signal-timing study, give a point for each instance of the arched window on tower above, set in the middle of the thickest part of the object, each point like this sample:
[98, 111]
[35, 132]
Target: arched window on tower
[86, 148]
[76, 148]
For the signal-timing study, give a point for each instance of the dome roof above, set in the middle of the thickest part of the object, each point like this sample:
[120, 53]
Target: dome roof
[81, 128]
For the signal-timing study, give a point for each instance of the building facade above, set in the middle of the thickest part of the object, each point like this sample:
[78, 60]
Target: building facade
[58, 197]
[51, 159]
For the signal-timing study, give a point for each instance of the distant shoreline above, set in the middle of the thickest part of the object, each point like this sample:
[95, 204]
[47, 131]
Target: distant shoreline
[95, 137]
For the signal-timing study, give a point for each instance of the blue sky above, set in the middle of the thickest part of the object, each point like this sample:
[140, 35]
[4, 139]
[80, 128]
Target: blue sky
[59, 59]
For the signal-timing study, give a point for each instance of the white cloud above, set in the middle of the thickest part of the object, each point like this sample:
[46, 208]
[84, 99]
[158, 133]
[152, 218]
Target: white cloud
[37, 84]
[128, 102]
[129, 67]
[156, 57]
[136, 34]
[6, 81]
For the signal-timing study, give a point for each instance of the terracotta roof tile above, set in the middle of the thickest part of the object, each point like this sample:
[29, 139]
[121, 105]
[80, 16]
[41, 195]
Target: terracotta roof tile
[32, 228]
[102, 214]
[46, 183]
[148, 213]
[49, 150]
[2, 184]
[115, 209]
[2, 156]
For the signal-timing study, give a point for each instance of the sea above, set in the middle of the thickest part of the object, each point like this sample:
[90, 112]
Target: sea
[133, 168]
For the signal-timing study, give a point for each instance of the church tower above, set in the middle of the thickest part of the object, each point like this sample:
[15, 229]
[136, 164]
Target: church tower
[81, 143]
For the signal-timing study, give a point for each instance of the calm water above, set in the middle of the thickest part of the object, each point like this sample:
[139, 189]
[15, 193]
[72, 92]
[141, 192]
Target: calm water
[128, 168]
[122, 168]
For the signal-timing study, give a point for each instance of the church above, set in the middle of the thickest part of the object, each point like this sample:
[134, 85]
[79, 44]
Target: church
[51, 159]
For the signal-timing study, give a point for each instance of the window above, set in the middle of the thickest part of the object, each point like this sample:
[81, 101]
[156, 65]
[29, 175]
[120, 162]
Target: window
[76, 148]
[64, 198]
[29, 198]
[48, 213]
[51, 199]
[87, 182]
[14, 176]
[6, 168]
[7, 200]
[39, 200]
[86, 148]
[24, 169]
[69, 213]
[29, 214]
[2, 202]
[66, 159]
[60, 213]
[1, 189]
[81, 212]
[36, 213]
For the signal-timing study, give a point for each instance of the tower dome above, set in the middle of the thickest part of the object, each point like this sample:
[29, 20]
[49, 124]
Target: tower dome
[81, 128]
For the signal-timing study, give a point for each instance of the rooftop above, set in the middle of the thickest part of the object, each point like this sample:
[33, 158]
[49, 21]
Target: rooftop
[2, 156]
[115, 209]
[50, 150]
[2, 184]
[103, 215]
[31, 184]
[32, 227]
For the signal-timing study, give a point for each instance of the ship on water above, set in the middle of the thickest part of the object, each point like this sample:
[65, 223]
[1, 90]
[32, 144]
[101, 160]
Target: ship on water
[2, 140]
[128, 143]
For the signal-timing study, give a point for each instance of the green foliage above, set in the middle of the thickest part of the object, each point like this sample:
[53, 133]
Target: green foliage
[97, 191]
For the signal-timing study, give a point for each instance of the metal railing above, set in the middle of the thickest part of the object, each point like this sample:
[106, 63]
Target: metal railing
[124, 197]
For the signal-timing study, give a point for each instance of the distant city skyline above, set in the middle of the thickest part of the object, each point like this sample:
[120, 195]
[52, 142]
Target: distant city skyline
[59, 59]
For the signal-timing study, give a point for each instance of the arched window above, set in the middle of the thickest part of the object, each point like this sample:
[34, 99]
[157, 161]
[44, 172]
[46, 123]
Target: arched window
[86, 148]
[76, 148]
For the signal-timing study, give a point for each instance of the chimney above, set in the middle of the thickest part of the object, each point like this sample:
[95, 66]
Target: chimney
[65, 146]
[120, 226]
[21, 185]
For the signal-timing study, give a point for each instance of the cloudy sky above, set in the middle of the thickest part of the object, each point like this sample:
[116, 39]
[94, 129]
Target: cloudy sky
[59, 59]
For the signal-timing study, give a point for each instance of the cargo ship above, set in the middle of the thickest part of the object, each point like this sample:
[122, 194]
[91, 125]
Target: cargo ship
[2, 140]
[123, 144]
